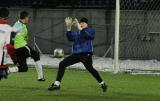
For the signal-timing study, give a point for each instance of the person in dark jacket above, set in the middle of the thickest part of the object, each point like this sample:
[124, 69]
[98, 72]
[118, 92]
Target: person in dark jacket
[82, 50]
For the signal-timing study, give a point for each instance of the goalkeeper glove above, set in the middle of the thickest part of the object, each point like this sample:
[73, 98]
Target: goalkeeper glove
[69, 23]
[77, 24]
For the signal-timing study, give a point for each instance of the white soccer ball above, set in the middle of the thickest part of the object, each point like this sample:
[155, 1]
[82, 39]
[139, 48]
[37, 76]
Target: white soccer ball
[58, 53]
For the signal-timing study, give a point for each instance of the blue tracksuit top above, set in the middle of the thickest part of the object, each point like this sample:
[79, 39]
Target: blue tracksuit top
[82, 40]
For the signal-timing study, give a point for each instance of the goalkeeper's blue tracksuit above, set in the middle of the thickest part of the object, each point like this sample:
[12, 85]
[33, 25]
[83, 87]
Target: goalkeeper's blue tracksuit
[82, 50]
[82, 40]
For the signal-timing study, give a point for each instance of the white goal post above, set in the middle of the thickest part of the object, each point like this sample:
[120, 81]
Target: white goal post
[116, 47]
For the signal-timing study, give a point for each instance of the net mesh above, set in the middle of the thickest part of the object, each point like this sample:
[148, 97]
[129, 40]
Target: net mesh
[140, 35]
[139, 29]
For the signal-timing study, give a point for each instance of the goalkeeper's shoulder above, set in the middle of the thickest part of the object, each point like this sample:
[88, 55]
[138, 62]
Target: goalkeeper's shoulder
[89, 30]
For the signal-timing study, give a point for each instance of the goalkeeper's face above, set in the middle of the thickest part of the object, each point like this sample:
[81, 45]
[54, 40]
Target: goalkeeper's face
[83, 25]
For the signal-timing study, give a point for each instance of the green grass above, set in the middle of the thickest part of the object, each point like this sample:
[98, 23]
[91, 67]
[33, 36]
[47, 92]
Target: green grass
[80, 86]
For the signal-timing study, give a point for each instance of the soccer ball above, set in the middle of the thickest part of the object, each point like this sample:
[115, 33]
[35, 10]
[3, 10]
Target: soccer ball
[58, 53]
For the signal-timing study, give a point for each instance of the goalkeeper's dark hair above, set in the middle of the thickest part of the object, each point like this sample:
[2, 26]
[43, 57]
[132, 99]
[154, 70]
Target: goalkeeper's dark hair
[84, 20]
[4, 13]
[23, 14]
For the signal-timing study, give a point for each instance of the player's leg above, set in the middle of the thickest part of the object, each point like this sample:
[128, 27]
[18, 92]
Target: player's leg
[22, 54]
[3, 65]
[22, 64]
[88, 63]
[36, 57]
[12, 53]
[70, 60]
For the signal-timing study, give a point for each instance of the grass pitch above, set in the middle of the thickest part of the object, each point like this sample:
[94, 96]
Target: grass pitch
[79, 86]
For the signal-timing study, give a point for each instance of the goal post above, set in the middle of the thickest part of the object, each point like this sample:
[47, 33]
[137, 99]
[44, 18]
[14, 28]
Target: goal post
[117, 30]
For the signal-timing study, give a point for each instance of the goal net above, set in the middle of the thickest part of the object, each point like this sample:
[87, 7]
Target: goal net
[139, 48]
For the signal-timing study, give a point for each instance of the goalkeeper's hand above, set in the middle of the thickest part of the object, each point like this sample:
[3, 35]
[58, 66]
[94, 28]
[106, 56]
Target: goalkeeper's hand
[69, 23]
[77, 24]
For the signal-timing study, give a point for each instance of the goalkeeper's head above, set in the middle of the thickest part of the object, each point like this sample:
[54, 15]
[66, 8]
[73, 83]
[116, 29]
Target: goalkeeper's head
[4, 13]
[83, 23]
[24, 17]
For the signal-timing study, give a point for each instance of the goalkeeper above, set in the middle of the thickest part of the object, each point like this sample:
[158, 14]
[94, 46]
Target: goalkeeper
[82, 51]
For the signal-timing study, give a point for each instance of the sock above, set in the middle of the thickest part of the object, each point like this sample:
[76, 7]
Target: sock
[57, 83]
[13, 69]
[39, 69]
[101, 83]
